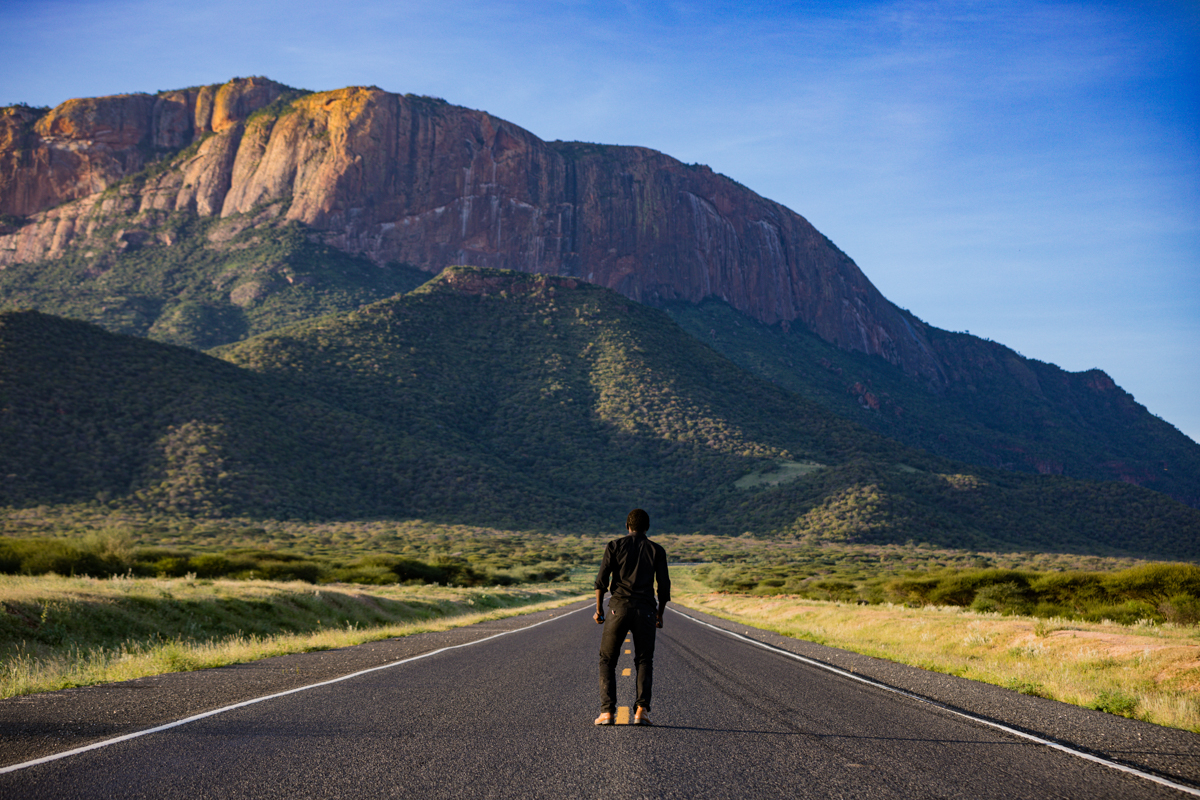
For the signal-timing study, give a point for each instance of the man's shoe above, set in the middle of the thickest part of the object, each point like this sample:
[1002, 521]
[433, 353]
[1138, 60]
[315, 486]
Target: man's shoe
[606, 718]
[641, 717]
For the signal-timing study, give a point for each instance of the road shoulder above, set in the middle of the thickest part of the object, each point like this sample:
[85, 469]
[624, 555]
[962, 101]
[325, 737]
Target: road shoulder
[1169, 752]
[38, 725]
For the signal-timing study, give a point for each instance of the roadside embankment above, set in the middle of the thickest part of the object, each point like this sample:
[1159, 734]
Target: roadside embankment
[59, 632]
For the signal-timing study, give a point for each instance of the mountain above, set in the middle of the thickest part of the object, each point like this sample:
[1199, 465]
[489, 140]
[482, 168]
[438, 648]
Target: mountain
[506, 399]
[418, 181]
[1001, 410]
[206, 215]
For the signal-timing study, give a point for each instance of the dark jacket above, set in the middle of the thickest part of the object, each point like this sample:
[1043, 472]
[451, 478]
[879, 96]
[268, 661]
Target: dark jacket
[634, 563]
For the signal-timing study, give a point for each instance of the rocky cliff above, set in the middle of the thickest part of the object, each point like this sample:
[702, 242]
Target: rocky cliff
[398, 178]
[205, 215]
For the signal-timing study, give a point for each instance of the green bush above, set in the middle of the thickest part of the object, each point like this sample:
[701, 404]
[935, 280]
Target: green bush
[1180, 609]
[834, 590]
[171, 567]
[1127, 613]
[42, 556]
[210, 565]
[1155, 592]
[1068, 588]
[963, 588]
[103, 557]
[1154, 580]
[1009, 597]
[1115, 702]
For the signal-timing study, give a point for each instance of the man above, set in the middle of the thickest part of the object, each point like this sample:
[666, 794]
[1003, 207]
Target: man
[633, 563]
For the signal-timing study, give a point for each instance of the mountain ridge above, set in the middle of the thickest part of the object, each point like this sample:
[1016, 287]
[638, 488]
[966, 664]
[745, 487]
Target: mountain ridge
[369, 188]
[419, 181]
[562, 400]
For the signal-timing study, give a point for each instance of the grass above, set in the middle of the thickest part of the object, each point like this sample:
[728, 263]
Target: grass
[60, 632]
[1148, 672]
[775, 474]
[747, 558]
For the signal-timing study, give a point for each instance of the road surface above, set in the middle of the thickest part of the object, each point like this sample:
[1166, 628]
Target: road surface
[511, 716]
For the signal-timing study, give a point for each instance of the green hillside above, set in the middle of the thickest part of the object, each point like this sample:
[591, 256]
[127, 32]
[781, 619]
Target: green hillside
[201, 281]
[1076, 424]
[88, 415]
[512, 401]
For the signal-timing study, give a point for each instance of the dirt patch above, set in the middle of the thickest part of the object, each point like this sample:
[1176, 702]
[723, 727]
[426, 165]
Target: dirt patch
[1120, 645]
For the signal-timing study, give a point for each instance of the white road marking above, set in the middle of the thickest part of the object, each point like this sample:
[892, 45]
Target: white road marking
[244, 703]
[966, 715]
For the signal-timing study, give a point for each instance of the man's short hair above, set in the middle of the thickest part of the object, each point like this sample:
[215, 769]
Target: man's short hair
[638, 521]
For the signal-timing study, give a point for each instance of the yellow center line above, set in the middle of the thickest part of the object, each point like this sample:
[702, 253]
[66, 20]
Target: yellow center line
[626, 652]
[623, 715]
[625, 672]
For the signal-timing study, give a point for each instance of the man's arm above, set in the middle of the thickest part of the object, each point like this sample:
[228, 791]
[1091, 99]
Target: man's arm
[601, 586]
[664, 585]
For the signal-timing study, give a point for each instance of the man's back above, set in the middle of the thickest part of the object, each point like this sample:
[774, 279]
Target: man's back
[634, 563]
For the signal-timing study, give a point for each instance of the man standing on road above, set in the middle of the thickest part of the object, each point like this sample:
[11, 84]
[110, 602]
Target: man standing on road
[633, 563]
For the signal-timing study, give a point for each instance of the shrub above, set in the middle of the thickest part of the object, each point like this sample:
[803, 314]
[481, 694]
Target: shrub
[961, 588]
[1006, 598]
[835, 590]
[210, 565]
[280, 570]
[1115, 702]
[1181, 609]
[171, 567]
[911, 591]
[1154, 581]
[1069, 588]
[1126, 613]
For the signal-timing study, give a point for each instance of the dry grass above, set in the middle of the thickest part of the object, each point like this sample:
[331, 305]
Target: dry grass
[305, 618]
[1151, 672]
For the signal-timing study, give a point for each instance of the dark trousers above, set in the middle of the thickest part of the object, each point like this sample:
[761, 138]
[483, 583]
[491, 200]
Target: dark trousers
[622, 620]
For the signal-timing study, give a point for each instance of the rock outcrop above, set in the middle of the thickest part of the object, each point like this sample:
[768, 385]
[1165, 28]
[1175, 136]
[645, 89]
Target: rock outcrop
[416, 180]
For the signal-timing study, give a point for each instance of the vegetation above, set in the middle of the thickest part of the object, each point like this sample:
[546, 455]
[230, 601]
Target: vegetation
[1142, 670]
[1158, 592]
[108, 556]
[279, 107]
[1001, 409]
[201, 282]
[59, 632]
[516, 402]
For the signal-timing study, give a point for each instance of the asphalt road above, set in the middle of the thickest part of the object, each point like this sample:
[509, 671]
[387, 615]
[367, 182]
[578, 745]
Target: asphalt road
[511, 716]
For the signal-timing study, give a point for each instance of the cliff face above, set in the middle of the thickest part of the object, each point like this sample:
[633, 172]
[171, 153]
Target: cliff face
[84, 146]
[418, 181]
[168, 215]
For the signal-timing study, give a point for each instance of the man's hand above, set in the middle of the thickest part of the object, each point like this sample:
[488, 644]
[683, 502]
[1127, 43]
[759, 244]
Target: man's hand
[658, 620]
[599, 617]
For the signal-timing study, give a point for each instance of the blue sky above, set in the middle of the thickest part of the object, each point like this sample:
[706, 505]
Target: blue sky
[1027, 171]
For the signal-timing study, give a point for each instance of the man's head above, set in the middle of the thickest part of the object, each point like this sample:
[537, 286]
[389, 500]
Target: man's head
[638, 521]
